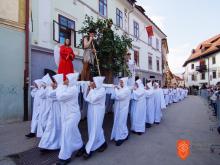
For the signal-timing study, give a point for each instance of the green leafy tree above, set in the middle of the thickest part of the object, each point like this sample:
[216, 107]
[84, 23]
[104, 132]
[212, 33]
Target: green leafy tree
[111, 48]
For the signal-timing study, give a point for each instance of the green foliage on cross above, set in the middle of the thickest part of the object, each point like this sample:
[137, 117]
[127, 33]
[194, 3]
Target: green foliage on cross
[111, 47]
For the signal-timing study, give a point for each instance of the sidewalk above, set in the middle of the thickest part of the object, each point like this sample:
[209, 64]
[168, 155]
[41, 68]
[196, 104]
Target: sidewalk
[12, 140]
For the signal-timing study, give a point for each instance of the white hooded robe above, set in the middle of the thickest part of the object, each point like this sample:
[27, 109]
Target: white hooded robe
[51, 136]
[121, 108]
[45, 103]
[138, 108]
[159, 102]
[95, 115]
[150, 106]
[71, 139]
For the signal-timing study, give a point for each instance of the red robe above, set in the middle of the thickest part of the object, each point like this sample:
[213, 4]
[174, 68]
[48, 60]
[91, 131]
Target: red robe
[66, 58]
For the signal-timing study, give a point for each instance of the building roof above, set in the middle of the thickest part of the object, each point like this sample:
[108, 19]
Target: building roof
[204, 49]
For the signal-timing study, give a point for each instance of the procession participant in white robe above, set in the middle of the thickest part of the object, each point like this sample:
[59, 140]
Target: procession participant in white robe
[71, 140]
[44, 105]
[182, 93]
[186, 92]
[178, 94]
[159, 102]
[138, 108]
[166, 95]
[175, 95]
[150, 109]
[51, 136]
[170, 95]
[36, 106]
[121, 107]
[95, 96]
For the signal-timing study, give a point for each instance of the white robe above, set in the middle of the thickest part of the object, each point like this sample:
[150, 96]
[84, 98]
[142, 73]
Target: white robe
[166, 95]
[170, 96]
[181, 94]
[159, 103]
[52, 133]
[121, 108]
[178, 94]
[175, 96]
[138, 110]
[42, 112]
[71, 139]
[186, 93]
[95, 117]
[36, 106]
[150, 109]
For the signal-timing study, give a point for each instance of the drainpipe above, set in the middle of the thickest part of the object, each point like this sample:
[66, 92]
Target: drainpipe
[26, 62]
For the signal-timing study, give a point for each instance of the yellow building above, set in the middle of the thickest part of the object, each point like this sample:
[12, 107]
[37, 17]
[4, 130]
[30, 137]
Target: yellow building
[12, 64]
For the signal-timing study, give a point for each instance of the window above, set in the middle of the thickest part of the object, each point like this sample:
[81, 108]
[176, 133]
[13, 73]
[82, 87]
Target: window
[202, 76]
[150, 64]
[157, 44]
[136, 57]
[193, 77]
[192, 66]
[136, 29]
[103, 7]
[119, 18]
[150, 41]
[214, 74]
[66, 26]
[158, 65]
[213, 60]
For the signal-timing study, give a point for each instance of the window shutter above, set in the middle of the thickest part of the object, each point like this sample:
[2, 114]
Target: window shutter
[56, 31]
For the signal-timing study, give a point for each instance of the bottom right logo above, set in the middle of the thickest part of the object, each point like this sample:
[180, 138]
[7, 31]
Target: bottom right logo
[183, 148]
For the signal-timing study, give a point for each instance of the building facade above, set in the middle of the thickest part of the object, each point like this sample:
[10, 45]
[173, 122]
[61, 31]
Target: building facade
[203, 66]
[60, 20]
[12, 63]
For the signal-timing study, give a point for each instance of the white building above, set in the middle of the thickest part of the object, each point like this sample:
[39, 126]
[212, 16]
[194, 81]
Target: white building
[48, 18]
[203, 66]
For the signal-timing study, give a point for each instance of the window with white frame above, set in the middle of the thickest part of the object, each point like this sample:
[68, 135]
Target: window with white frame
[203, 76]
[157, 44]
[213, 60]
[103, 7]
[193, 77]
[136, 57]
[136, 29]
[150, 41]
[150, 63]
[158, 64]
[119, 18]
[64, 29]
[214, 76]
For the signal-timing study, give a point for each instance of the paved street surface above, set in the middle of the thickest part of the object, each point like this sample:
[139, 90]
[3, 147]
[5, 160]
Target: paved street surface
[189, 119]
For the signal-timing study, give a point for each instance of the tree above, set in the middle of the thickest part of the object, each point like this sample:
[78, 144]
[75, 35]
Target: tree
[111, 48]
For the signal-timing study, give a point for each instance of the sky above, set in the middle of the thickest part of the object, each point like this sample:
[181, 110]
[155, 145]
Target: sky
[186, 24]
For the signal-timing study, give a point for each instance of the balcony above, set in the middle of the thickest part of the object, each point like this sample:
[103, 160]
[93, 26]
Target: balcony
[201, 68]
